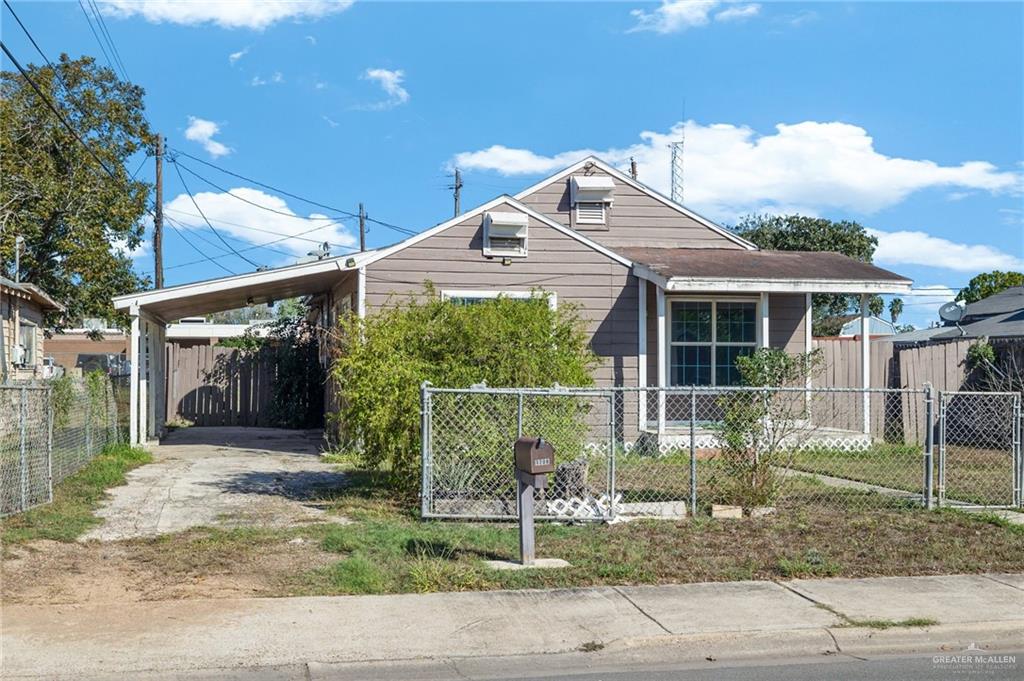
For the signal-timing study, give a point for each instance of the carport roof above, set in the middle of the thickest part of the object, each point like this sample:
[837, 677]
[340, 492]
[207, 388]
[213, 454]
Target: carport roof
[228, 293]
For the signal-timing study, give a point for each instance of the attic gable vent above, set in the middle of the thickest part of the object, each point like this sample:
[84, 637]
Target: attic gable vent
[505, 234]
[591, 195]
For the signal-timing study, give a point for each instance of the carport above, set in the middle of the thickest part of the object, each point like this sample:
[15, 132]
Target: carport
[151, 311]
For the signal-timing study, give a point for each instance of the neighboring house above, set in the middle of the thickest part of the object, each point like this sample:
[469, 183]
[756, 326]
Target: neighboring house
[999, 316]
[192, 331]
[876, 327]
[22, 340]
[93, 346]
[668, 297]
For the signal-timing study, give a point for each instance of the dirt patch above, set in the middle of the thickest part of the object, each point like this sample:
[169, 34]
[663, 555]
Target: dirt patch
[196, 564]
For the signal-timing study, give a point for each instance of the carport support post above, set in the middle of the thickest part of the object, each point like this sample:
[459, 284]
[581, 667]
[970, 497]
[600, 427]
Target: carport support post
[929, 446]
[133, 397]
[865, 358]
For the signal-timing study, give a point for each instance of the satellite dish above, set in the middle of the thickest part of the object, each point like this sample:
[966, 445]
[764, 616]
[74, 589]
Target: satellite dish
[951, 312]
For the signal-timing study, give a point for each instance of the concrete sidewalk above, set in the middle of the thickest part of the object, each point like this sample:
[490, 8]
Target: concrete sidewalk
[800, 617]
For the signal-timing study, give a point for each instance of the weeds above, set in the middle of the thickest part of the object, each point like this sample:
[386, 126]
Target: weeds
[75, 498]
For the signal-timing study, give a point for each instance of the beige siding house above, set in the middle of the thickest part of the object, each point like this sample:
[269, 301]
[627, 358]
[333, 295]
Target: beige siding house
[22, 338]
[669, 297]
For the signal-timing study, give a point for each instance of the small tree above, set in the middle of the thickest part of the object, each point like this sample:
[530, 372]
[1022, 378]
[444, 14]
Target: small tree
[988, 284]
[384, 358]
[895, 309]
[761, 429]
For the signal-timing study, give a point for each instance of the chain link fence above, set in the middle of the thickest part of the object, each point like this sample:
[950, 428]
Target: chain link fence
[678, 452]
[47, 433]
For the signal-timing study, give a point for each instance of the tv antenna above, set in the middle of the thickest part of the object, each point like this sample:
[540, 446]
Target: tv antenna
[677, 161]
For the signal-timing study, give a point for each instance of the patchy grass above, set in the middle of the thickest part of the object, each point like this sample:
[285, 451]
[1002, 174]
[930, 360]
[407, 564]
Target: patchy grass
[74, 499]
[891, 624]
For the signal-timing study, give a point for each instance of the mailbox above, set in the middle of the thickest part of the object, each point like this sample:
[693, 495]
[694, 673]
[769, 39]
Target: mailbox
[535, 455]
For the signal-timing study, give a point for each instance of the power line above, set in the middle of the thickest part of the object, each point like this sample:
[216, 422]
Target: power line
[253, 203]
[96, 35]
[255, 246]
[110, 39]
[207, 221]
[56, 113]
[403, 230]
[196, 248]
[265, 231]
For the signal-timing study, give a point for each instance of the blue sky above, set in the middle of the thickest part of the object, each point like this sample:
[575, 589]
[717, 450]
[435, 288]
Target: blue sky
[906, 117]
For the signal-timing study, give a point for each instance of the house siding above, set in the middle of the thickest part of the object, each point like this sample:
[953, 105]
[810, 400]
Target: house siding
[635, 219]
[27, 311]
[576, 273]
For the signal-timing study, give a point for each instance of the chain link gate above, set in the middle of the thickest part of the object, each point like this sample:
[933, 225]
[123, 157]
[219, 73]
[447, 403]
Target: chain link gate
[676, 452]
[979, 462]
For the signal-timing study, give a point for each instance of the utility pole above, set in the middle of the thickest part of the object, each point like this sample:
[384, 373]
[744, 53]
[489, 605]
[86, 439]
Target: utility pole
[362, 228]
[458, 191]
[158, 217]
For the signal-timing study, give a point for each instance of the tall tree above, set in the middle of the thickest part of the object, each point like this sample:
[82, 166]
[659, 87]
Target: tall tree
[989, 283]
[895, 309]
[802, 233]
[78, 222]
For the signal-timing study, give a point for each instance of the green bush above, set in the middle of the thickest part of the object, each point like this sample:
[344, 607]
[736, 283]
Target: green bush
[384, 358]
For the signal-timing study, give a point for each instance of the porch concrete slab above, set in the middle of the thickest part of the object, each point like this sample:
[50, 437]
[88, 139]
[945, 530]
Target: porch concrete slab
[211, 476]
[729, 606]
[948, 599]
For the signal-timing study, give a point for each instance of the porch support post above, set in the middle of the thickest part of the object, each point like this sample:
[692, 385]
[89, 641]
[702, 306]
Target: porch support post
[144, 397]
[662, 359]
[641, 352]
[133, 395]
[865, 358]
[361, 293]
[763, 313]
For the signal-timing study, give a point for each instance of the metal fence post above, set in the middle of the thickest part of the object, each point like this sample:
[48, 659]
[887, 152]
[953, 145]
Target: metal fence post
[88, 425]
[425, 463]
[942, 448]
[693, 451]
[929, 446]
[49, 441]
[611, 454]
[1018, 457]
[23, 425]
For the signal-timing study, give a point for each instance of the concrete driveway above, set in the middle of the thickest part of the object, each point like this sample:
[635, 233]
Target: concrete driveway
[225, 477]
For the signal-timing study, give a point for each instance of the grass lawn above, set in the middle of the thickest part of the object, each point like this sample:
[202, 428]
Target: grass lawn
[973, 475]
[74, 499]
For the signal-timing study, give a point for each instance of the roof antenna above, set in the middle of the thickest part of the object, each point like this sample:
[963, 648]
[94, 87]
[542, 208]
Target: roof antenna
[677, 161]
[632, 167]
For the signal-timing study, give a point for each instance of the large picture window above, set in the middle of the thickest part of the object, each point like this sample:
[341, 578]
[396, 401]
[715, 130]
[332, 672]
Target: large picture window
[706, 337]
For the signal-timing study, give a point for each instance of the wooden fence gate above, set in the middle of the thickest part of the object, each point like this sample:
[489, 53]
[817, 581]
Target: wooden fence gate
[216, 386]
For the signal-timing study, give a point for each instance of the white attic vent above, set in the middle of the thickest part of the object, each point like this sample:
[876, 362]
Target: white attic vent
[505, 234]
[591, 195]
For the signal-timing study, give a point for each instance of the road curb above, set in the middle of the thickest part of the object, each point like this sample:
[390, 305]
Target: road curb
[856, 641]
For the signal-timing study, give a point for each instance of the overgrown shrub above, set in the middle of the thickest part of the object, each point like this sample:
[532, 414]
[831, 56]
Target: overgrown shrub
[384, 358]
[759, 427]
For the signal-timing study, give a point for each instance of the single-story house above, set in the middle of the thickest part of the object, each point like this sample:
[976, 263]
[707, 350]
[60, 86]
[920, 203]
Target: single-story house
[668, 296]
[22, 338]
[876, 327]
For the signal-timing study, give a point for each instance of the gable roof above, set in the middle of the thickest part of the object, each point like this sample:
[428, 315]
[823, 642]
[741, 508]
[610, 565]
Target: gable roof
[1008, 300]
[36, 294]
[479, 210]
[640, 186]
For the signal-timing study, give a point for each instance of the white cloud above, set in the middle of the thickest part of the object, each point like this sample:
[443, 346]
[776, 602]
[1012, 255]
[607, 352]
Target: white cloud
[252, 14]
[235, 56]
[319, 85]
[311, 39]
[202, 131]
[732, 170]
[739, 12]
[331, 122]
[257, 81]
[673, 16]
[231, 217]
[389, 81]
[921, 248]
[143, 250]
[276, 77]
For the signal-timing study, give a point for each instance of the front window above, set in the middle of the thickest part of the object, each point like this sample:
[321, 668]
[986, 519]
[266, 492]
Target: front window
[27, 340]
[706, 337]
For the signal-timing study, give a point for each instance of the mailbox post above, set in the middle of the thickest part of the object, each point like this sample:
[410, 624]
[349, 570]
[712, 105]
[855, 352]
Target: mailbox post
[535, 458]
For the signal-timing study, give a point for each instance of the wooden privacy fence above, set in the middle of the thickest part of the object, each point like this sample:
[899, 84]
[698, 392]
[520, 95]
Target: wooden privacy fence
[217, 386]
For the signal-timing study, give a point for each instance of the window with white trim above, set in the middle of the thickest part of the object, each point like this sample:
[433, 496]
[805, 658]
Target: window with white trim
[706, 337]
[467, 297]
